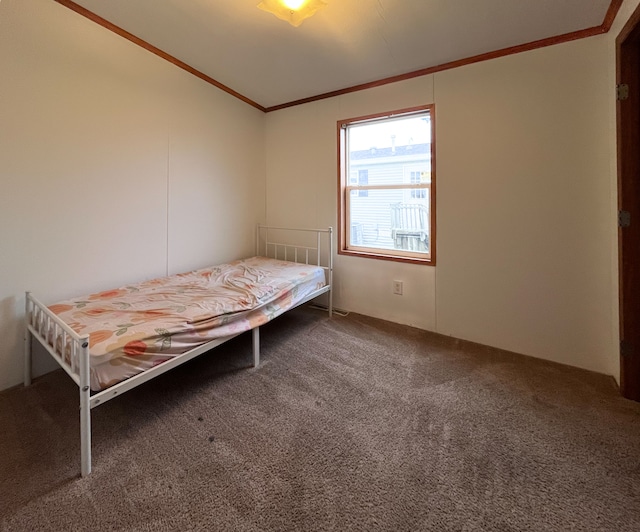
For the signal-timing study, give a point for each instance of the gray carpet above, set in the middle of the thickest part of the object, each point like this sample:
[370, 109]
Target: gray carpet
[348, 424]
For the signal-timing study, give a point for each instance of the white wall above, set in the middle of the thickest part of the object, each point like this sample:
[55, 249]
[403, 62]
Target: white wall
[524, 215]
[114, 165]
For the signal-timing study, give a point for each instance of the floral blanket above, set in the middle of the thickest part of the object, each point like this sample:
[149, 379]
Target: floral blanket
[139, 326]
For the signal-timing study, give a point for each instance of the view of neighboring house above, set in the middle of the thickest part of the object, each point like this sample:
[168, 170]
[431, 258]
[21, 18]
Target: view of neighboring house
[390, 218]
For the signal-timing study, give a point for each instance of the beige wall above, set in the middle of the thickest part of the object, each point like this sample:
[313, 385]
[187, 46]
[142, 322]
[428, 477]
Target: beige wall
[523, 206]
[114, 165]
[524, 220]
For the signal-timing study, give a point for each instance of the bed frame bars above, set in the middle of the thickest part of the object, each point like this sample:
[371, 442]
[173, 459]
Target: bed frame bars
[54, 334]
[283, 251]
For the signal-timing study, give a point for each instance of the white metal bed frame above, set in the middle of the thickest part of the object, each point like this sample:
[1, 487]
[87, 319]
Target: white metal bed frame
[55, 335]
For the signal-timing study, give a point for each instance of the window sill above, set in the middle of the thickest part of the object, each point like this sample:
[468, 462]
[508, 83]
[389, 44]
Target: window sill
[387, 256]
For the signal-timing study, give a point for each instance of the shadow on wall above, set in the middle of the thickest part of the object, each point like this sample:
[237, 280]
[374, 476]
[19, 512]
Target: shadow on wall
[10, 332]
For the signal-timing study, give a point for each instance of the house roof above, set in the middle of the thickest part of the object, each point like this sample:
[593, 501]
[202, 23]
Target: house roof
[398, 151]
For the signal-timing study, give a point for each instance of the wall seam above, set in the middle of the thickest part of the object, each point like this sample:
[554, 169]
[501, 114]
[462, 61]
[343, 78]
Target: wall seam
[167, 202]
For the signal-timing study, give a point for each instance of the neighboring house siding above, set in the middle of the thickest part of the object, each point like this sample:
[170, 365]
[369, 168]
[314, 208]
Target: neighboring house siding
[371, 213]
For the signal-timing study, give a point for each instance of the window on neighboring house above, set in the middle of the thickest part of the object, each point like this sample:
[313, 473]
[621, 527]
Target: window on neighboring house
[359, 178]
[382, 214]
[415, 179]
[363, 179]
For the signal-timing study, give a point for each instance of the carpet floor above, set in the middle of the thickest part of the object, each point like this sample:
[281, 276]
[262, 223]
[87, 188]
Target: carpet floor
[349, 423]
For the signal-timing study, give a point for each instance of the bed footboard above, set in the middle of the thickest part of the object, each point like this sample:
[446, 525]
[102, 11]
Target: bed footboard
[71, 352]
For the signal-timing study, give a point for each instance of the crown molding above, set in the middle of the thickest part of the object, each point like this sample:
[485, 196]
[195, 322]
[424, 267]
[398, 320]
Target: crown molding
[156, 51]
[610, 16]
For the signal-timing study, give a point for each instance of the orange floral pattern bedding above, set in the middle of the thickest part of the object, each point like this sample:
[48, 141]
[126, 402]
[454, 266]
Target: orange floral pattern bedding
[136, 327]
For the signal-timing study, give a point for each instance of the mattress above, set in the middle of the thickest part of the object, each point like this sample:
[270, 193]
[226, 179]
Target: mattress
[138, 326]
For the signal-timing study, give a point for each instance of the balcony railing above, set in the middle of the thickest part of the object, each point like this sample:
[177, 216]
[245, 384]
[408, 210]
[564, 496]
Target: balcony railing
[410, 226]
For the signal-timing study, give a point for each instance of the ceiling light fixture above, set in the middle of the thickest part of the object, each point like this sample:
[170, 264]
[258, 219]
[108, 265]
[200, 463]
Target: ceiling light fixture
[293, 11]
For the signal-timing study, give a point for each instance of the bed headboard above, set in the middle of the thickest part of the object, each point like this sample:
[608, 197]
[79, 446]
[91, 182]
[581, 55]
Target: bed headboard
[305, 246]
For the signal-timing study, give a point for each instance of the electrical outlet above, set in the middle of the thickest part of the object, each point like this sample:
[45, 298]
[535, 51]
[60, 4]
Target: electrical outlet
[397, 287]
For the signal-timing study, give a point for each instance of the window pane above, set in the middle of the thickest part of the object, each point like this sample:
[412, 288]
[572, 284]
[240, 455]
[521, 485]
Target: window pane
[391, 150]
[391, 220]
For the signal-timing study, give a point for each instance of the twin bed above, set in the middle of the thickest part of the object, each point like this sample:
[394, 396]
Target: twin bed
[112, 341]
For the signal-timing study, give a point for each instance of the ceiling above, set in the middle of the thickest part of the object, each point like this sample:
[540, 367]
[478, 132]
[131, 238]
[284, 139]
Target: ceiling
[345, 44]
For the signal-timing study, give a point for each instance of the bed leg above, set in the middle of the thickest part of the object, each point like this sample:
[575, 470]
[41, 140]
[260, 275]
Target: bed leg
[256, 346]
[27, 357]
[85, 411]
[27, 344]
[85, 433]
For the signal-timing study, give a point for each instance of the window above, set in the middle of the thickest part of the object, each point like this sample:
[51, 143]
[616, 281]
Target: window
[387, 186]
[415, 179]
